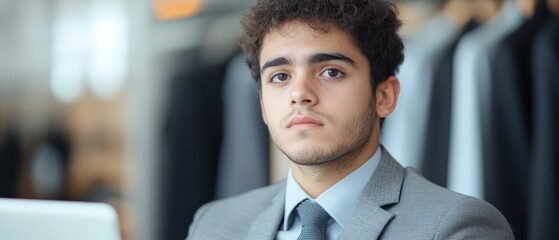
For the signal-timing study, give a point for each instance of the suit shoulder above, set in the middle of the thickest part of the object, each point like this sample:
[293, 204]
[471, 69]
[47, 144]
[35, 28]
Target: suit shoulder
[415, 183]
[475, 219]
[454, 215]
[231, 215]
[254, 197]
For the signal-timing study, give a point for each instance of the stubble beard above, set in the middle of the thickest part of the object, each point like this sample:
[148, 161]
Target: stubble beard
[352, 140]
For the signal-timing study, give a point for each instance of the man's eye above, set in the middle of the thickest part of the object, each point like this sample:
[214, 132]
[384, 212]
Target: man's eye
[332, 73]
[280, 77]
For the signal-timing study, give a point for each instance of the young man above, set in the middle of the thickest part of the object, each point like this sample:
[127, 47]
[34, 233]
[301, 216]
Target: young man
[326, 74]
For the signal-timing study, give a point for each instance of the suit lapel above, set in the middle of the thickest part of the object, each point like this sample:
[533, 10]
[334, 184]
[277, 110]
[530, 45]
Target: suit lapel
[369, 218]
[266, 224]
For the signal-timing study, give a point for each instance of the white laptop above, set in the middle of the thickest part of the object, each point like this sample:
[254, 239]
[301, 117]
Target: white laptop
[22, 219]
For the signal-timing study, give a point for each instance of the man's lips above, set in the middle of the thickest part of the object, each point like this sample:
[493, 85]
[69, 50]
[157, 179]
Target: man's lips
[303, 122]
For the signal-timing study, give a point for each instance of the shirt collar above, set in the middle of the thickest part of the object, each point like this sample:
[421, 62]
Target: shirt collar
[337, 200]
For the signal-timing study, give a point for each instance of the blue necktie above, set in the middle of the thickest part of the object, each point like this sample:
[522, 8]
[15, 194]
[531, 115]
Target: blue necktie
[314, 219]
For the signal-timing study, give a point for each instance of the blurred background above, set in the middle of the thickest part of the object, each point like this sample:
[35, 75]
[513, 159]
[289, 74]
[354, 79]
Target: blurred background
[148, 105]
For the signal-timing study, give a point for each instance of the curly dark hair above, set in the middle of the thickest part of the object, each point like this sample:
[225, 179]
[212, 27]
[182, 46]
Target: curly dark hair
[372, 25]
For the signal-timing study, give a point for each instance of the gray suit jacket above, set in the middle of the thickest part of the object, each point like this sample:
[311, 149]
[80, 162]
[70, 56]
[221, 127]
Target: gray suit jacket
[396, 203]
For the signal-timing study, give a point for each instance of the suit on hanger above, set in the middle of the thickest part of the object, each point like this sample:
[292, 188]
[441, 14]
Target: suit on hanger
[544, 189]
[511, 124]
[435, 154]
[404, 131]
[396, 203]
[470, 144]
[244, 147]
[10, 162]
[191, 137]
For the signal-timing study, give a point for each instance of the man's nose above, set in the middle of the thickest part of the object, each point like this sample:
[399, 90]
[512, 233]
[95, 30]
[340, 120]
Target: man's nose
[303, 92]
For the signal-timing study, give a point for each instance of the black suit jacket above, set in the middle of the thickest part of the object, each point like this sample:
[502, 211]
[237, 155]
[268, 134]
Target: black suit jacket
[544, 203]
[192, 134]
[511, 124]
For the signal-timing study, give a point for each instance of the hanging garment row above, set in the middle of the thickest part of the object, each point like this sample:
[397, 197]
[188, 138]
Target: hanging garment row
[479, 106]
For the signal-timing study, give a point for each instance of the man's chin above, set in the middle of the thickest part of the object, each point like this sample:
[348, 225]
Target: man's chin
[310, 159]
[308, 162]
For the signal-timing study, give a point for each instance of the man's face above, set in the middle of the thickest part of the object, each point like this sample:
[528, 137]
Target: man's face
[316, 93]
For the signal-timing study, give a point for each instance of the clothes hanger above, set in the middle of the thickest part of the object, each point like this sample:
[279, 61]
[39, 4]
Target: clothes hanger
[553, 6]
[458, 12]
[413, 14]
[526, 7]
[485, 10]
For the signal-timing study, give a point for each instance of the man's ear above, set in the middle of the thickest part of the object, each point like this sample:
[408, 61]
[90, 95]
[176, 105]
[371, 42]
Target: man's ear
[263, 111]
[387, 96]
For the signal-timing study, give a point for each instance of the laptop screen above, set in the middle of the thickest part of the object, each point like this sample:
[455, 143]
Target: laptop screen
[23, 219]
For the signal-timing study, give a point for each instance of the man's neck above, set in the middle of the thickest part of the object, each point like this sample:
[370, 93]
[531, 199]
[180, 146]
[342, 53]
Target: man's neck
[316, 179]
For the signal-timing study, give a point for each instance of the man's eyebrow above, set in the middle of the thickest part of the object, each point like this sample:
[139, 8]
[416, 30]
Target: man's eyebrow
[324, 57]
[275, 62]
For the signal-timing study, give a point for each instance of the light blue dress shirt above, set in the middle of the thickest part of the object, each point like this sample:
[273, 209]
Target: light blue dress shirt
[338, 201]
